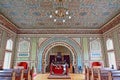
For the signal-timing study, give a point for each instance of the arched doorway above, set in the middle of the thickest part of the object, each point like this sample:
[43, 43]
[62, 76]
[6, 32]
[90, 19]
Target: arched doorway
[58, 41]
[64, 52]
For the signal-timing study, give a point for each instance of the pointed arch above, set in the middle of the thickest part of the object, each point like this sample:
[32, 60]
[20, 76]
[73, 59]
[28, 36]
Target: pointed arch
[9, 44]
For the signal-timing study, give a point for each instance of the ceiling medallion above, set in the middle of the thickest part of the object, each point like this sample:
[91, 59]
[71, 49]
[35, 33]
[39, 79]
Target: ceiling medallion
[60, 12]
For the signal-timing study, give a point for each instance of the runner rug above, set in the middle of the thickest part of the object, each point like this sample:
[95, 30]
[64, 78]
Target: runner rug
[59, 77]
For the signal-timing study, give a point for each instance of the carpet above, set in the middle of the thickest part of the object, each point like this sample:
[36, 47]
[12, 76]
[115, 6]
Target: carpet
[59, 77]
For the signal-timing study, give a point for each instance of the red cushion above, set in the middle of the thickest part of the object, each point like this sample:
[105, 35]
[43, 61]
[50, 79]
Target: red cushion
[96, 64]
[24, 64]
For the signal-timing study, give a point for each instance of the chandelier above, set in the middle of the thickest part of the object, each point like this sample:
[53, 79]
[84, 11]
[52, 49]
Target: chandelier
[61, 13]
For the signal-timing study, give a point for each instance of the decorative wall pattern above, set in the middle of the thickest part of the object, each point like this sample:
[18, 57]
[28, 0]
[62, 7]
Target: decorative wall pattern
[95, 49]
[85, 47]
[24, 47]
[41, 40]
[77, 40]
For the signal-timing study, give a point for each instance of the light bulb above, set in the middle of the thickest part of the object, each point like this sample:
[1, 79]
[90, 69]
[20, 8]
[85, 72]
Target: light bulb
[69, 17]
[63, 20]
[66, 12]
[54, 20]
[56, 11]
[50, 16]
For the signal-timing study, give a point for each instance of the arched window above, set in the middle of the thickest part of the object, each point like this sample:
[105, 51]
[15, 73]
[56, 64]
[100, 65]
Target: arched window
[9, 44]
[8, 54]
[109, 44]
[111, 53]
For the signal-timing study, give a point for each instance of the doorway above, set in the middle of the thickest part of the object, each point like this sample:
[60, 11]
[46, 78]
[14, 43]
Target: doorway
[59, 54]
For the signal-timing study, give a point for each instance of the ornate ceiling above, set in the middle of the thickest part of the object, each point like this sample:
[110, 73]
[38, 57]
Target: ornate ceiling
[35, 14]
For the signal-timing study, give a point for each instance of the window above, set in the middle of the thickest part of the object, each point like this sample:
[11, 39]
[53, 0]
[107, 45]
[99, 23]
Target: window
[111, 53]
[8, 54]
[9, 45]
[7, 60]
[109, 44]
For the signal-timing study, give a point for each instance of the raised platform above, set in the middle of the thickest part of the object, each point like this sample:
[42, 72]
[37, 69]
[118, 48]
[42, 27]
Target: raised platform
[59, 77]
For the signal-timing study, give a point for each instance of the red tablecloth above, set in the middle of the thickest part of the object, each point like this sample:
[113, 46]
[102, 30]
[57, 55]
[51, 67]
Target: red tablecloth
[57, 69]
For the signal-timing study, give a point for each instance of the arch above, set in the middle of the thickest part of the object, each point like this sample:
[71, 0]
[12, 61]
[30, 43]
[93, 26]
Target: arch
[55, 41]
[58, 44]
[9, 45]
[109, 44]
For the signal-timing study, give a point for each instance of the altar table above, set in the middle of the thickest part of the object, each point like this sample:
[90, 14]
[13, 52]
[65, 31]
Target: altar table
[58, 69]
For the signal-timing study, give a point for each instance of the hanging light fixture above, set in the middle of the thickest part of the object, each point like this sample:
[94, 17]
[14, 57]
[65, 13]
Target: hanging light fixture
[60, 13]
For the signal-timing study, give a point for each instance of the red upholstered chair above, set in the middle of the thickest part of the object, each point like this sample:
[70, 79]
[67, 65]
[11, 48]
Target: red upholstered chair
[96, 64]
[24, 64]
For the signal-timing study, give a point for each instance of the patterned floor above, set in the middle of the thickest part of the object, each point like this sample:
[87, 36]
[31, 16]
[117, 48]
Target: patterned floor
[73, 77]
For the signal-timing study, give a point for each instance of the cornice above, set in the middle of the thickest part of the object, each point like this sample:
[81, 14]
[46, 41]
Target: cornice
[6, 29]
[6, 23]
[59, 35]
[111, 24]
[58, 31]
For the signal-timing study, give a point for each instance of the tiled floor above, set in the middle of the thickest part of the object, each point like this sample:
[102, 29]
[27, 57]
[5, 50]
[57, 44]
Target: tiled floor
[73, 77]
